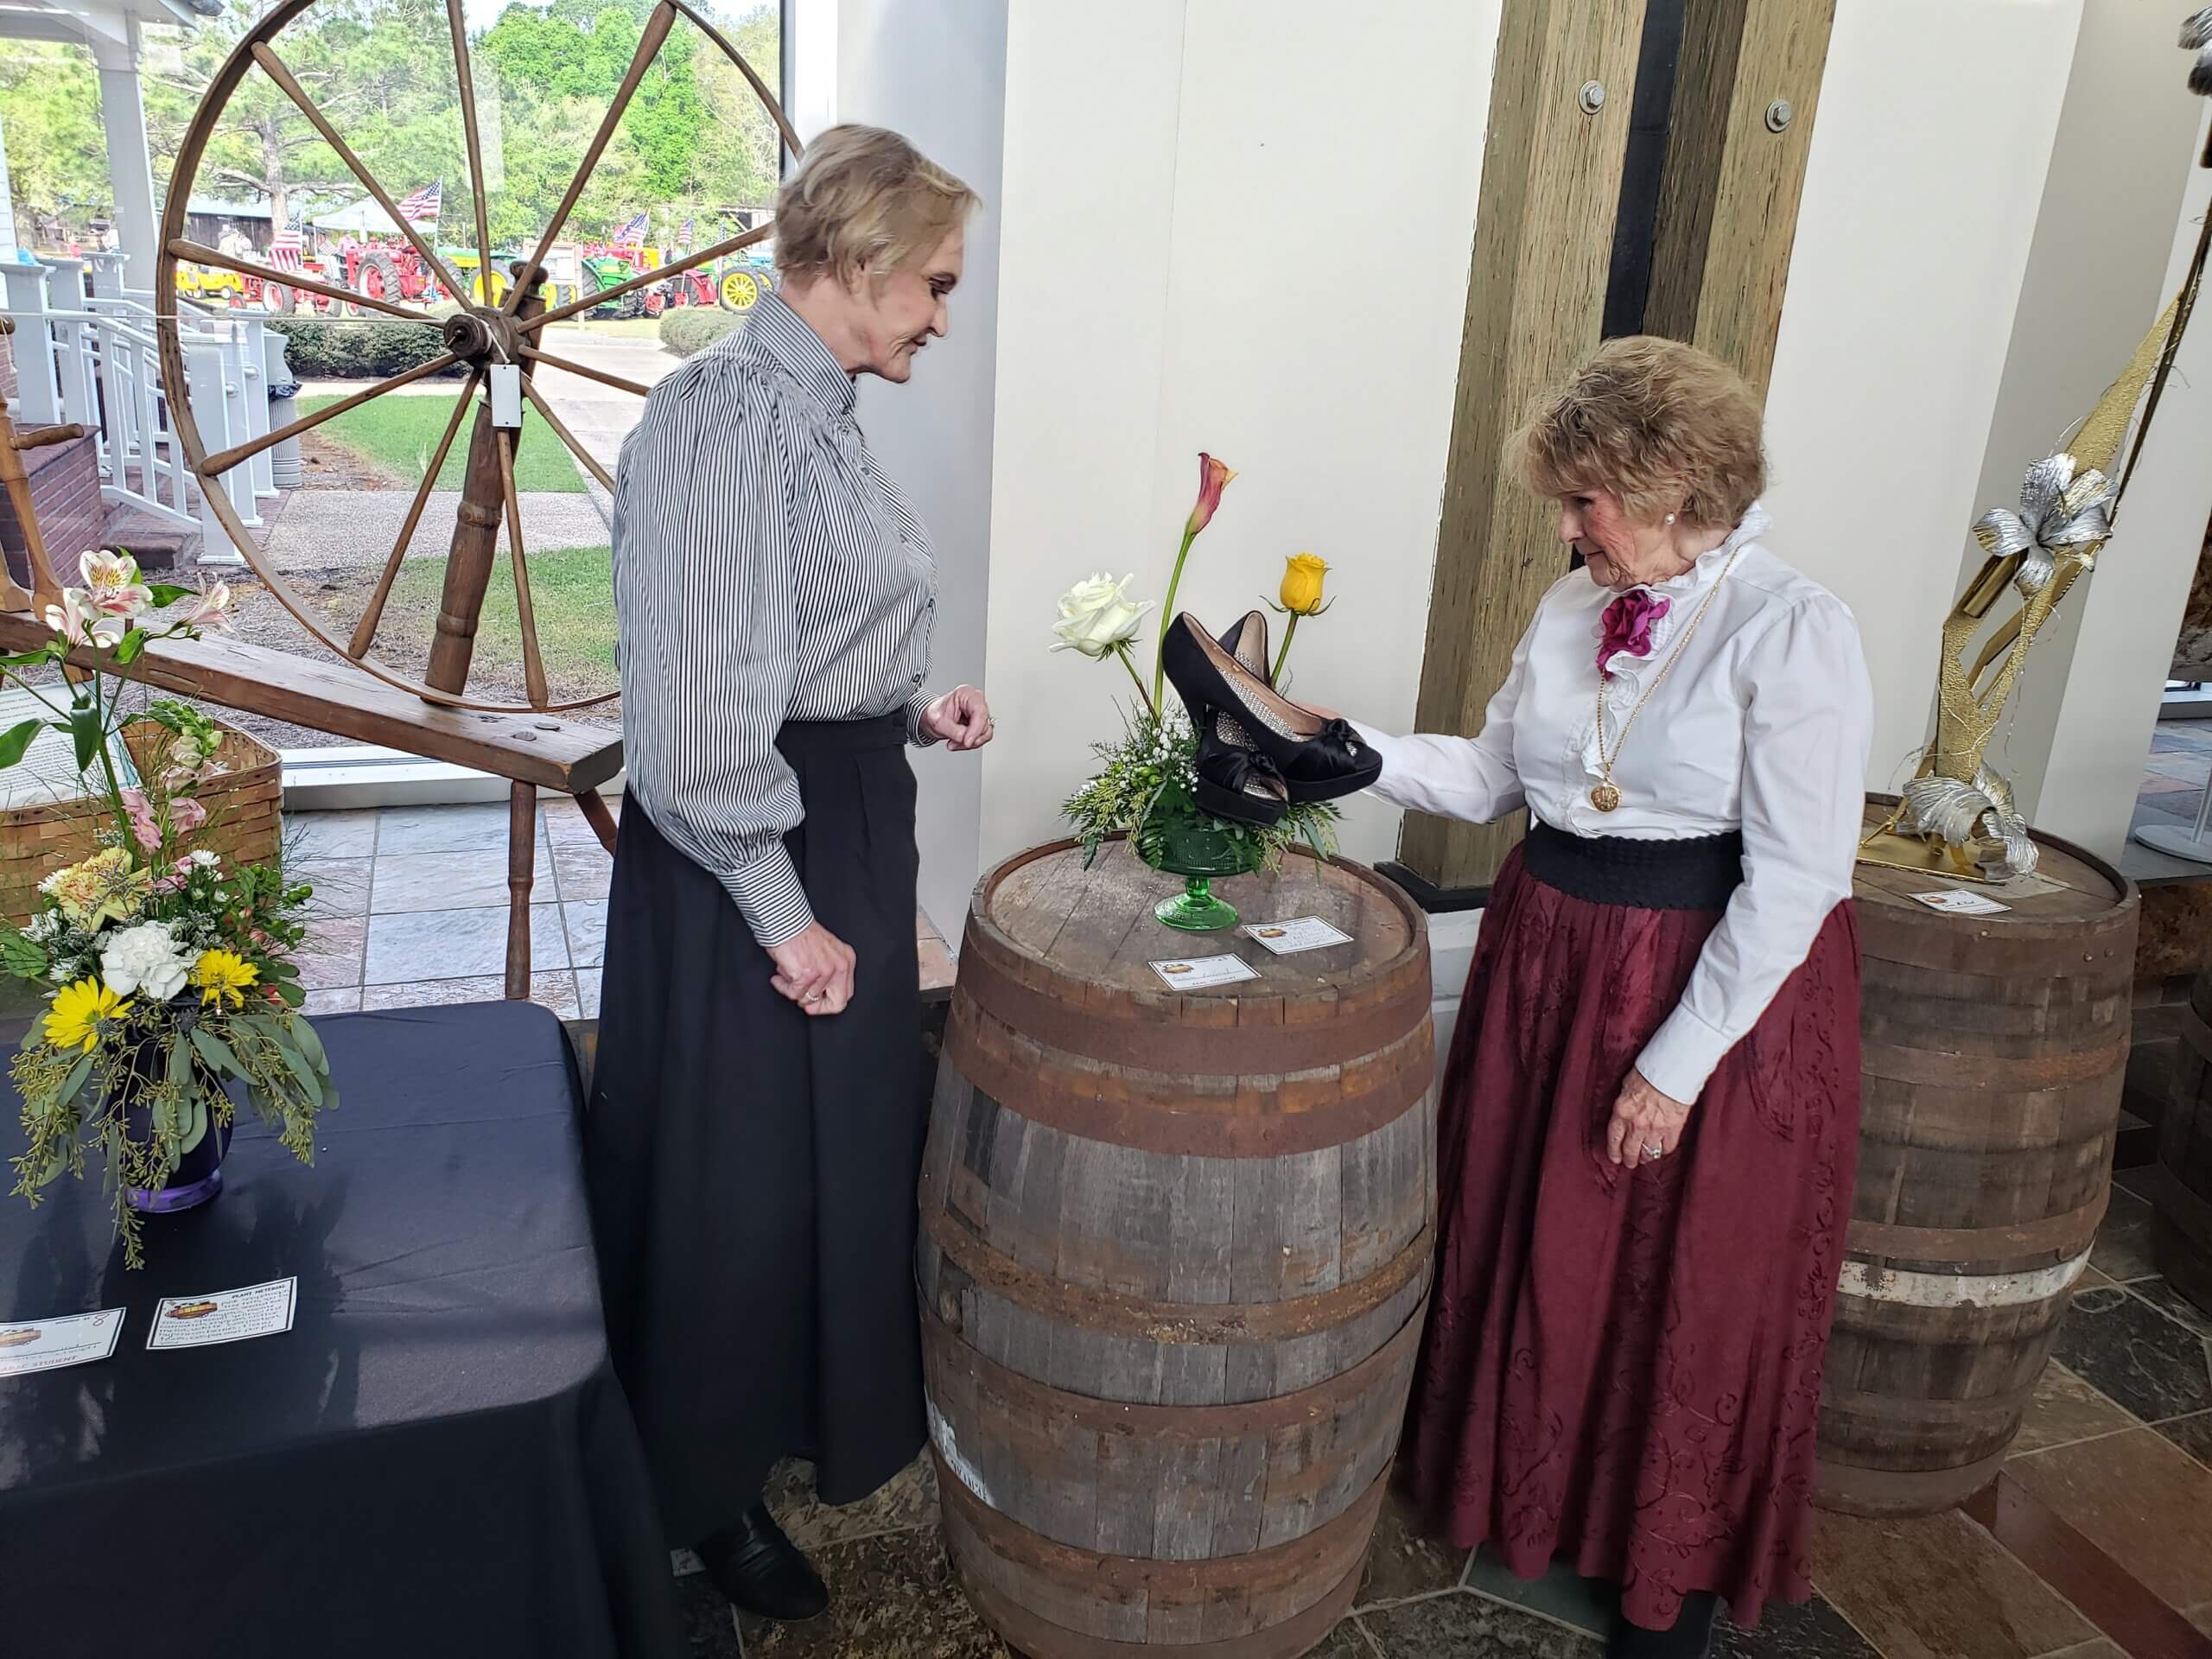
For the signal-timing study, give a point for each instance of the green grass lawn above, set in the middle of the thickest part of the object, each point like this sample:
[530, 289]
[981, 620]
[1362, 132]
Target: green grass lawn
[571, 595]
[399, 433]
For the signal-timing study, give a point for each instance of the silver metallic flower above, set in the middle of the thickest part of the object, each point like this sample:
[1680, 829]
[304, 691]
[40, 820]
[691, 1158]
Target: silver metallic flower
[1962, 812]
[2059, 514]
[2196, 36]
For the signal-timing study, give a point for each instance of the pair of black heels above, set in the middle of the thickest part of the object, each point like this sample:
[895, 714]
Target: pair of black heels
[1259, 753]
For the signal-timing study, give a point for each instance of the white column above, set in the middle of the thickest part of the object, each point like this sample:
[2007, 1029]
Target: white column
[38, 394]
[123, 114]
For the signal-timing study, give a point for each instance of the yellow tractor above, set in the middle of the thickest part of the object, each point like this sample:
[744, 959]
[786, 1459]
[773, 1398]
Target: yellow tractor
[209, 284]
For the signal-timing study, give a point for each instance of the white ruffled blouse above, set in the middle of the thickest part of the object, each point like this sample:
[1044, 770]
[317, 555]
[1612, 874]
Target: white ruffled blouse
[1764, 726]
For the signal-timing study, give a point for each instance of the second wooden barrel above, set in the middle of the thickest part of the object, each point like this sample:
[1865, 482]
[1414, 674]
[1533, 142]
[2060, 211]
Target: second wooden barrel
[1995, 1047]
[1173, 1257]
[2182, 1194]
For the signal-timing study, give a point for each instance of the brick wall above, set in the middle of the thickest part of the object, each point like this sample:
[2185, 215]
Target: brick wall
[7, 367]
[65, 495]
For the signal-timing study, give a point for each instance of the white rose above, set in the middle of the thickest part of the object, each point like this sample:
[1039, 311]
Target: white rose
[1098, 616]
[144, 958]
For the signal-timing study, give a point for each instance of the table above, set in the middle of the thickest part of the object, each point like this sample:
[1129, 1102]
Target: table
[434, 1461]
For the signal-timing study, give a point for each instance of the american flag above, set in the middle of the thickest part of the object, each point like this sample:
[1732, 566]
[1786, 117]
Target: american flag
[284, 247]
[634, 231]
[421, 207]
[683, 236]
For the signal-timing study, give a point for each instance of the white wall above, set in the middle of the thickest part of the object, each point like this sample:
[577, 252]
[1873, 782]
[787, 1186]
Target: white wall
[936, 71]
[1913, 239]
[1243, 226]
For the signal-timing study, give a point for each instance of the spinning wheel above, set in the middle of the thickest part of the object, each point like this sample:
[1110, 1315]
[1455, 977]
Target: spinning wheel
[483, 338]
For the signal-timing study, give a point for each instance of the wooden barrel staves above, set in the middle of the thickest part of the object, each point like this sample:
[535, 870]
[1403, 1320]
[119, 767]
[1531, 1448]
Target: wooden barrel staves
[1173, 1258]
[1995, 1049]
[2182, 1195]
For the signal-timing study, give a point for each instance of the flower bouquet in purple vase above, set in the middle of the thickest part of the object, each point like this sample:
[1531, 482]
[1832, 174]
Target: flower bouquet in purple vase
[166, 967]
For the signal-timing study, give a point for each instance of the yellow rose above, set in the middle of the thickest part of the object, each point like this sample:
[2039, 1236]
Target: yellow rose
[1302, 583]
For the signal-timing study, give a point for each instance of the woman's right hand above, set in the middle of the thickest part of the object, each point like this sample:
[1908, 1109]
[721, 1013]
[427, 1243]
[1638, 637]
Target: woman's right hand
[815, 970]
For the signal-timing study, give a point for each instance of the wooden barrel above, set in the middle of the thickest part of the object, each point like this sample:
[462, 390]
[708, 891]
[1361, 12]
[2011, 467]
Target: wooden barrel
[1995, 1050]
[2181, 1193]
[1174, 1254]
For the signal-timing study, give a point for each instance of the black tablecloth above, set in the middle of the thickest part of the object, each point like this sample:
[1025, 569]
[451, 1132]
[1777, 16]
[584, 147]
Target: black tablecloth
[435, 1460]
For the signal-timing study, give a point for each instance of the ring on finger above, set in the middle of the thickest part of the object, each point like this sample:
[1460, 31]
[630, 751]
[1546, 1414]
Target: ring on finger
[1652, 1154]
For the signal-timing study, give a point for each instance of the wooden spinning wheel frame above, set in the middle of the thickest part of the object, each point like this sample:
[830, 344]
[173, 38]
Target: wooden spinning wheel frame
[478, 337]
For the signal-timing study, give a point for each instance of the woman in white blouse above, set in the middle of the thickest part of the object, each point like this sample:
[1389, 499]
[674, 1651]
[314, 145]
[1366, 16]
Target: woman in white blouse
[1650, 1116]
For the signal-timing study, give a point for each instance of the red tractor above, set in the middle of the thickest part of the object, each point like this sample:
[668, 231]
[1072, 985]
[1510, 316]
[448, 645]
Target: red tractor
[392, 272]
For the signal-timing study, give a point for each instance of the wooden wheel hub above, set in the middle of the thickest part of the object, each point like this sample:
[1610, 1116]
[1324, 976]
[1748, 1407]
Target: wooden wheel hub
[482, 335]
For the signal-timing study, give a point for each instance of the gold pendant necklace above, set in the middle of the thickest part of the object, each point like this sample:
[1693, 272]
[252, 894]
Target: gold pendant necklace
[1605, 794]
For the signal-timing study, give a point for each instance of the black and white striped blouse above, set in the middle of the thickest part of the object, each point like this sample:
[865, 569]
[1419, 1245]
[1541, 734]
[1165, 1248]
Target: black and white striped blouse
[765, 570]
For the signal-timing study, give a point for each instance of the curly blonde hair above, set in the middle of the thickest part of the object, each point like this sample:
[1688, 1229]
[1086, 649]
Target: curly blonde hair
[1664, 426]
[864, 199]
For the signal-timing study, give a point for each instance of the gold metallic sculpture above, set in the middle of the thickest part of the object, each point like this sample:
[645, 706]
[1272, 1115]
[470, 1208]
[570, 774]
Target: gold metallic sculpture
[1957, 817]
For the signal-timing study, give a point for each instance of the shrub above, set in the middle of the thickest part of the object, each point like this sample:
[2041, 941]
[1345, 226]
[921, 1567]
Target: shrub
[321, 348]
[689, 329]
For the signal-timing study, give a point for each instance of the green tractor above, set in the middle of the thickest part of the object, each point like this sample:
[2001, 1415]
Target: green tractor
[464, 262]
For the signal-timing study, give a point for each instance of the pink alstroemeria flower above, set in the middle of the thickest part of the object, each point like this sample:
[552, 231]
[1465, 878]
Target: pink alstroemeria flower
[145, 829]
[112, 583]
[1627, 626]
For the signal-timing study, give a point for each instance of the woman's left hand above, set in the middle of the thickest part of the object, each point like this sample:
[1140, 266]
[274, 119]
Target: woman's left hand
[1642, 1119]
[961, 717]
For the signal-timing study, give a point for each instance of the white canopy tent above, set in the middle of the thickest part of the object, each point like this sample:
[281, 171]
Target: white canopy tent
[364, 217]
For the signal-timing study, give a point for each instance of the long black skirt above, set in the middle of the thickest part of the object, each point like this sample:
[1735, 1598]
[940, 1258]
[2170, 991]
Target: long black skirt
[753, 1167]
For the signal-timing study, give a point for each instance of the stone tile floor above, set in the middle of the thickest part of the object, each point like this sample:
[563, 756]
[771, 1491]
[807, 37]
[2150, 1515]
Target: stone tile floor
[2118, 1443]
[411, 908]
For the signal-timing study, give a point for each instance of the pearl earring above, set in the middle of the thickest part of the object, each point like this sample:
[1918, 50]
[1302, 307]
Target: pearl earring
[1670, 518]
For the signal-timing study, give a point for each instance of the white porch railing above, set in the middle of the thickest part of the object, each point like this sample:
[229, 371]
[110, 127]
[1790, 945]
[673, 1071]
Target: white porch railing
[95, 360]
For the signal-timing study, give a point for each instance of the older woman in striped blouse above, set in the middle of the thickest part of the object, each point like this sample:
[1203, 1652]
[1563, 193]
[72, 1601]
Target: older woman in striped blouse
[757, 1116]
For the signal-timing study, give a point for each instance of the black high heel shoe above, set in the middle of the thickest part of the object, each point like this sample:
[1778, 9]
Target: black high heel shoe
[1317, 758]
[1237, 781]
[1247, 643]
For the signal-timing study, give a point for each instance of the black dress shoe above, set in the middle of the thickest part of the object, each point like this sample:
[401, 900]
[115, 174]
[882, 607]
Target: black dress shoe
[1318, 759]
[1237, 781]
[1247, 643]
[761, 1572]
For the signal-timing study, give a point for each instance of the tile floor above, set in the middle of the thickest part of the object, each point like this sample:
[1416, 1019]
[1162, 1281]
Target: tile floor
[2118, 1444]
[411, 908]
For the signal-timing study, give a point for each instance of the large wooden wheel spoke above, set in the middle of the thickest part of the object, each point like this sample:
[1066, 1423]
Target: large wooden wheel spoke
[498, 330]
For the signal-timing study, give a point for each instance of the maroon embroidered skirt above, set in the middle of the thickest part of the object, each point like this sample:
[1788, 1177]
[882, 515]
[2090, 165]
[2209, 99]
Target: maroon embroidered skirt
[1622, 1367]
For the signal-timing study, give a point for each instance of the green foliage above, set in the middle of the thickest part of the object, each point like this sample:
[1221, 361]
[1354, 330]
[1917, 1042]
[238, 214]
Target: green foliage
[1148, 776]
[57, 151]
[344, 349]
[690, 329]
[400, 434]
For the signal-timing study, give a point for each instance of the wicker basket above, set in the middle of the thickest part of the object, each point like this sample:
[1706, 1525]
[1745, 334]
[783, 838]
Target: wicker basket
[244, 820]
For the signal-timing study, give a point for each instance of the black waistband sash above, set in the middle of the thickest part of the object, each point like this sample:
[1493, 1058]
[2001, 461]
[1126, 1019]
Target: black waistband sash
[1698, 873]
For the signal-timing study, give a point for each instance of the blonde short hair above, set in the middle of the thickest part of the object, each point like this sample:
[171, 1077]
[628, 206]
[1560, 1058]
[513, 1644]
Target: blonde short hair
[864, 199]
[1664, 426]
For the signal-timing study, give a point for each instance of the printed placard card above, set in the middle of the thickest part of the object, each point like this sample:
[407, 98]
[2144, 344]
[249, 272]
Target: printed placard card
[227, 1316]
[1197, 973]
[28, 1345]
[1300, 933]
[1957, 901]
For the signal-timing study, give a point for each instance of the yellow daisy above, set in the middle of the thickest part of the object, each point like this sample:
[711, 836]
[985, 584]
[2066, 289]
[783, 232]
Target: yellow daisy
[223, 977]
[74, 1019]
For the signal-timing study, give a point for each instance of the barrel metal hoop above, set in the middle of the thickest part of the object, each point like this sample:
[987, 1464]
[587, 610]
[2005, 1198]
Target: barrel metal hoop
[1159, 1044]
[1008, 1538]
[1038, 1401]
[1914, 1288]
[1112, 1313]
[2063, 1235]
[1202, 1128]
[1895, 1063]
